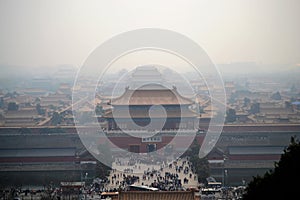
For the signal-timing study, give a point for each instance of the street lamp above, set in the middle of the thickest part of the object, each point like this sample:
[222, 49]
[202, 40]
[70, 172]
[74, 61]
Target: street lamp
[225, 177]
[223, 171]
[85, 177]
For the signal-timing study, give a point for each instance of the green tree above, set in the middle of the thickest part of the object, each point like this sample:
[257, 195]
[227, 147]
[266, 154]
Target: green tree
[287, 104]
[255, 108]
[276, 96]
[13, 106]
[246, 101]
[99, 109]
[280, 183]
[200, 109]
[232, 98]
[52, 107]
[230, 115]
[39, 109]
[102, 170]
[200, 165]
[1, 102]
[37, 100]
[56, 119]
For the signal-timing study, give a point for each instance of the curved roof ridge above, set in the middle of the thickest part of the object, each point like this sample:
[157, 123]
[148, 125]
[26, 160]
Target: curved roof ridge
[151, 97]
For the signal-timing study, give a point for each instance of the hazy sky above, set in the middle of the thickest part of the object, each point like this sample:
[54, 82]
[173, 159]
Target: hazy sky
[39, 33]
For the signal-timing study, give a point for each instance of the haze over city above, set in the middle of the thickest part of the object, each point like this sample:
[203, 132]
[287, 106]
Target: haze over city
[50, 33]
[182, 100]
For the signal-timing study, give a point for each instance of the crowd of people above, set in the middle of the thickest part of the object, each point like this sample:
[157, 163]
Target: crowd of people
[176, 175]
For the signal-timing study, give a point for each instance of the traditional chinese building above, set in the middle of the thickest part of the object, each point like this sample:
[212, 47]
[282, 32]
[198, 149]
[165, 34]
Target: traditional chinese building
[144, 106]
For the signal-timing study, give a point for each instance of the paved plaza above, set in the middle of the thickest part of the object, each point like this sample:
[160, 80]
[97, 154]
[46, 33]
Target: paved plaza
[175, 175]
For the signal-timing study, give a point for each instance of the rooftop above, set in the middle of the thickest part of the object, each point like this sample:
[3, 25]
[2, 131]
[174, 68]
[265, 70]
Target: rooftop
[145, 114]
[145, 96]
[255, 150]
[174, 195]
[37, 152]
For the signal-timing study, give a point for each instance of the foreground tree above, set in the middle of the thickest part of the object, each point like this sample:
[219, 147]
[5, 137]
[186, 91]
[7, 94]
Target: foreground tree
[105, 154]
[282, 182]
[200, 165]
[102, 171]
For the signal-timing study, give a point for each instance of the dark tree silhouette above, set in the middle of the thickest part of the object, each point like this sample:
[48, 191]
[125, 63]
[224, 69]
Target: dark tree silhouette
[230, 115]
[1, 102]
[232, 98]
[102, 171]
[255, 108]
[276, 96]
[13, 106]
[247, 101]
[39, 109]
[200, 165]
[282, 182]
[56, 119]
[99, 109]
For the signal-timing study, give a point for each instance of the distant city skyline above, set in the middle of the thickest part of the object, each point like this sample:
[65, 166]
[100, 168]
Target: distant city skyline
[50, 33]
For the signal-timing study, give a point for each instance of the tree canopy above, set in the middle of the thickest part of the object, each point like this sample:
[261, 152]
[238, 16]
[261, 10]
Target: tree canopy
[99, 109]
[230, 115]
[200, 165]
[280, 183]
[56, 119]
[276, 96]
[13, 106]
[1, 102]
[255, 108]
[39, 109]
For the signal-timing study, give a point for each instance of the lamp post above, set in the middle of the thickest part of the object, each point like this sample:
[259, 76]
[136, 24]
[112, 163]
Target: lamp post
[223, 171]
[225, 177]
[85, 177]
